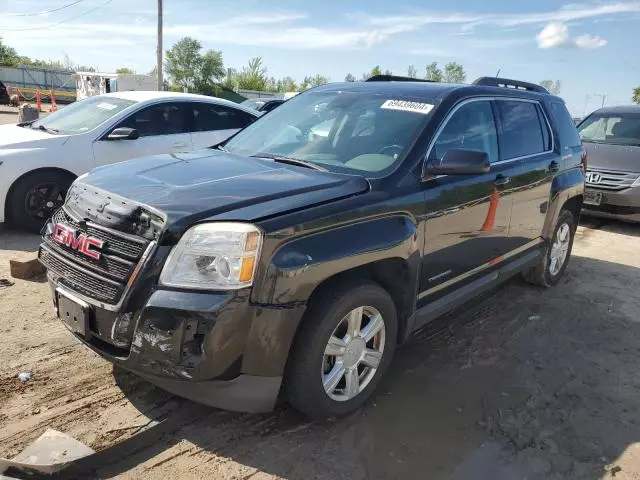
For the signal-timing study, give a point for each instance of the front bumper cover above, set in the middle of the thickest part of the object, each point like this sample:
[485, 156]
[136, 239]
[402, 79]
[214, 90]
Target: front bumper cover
[215, 348]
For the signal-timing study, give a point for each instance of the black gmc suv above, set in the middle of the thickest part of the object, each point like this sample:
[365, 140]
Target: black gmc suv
[291, 260]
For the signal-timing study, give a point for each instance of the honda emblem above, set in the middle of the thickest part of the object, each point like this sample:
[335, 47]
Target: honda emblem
[593, 177]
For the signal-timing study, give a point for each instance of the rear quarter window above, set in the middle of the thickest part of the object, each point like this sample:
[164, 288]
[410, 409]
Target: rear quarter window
[569, 136]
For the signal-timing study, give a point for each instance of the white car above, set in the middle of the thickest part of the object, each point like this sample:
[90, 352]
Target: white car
[39, 161]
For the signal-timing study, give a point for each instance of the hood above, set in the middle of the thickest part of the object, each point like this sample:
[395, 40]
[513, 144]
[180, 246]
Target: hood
[186, 188]
[19, 138]
[613, 157]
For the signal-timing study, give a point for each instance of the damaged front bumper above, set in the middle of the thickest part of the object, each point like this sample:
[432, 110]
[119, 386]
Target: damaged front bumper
[215, 348]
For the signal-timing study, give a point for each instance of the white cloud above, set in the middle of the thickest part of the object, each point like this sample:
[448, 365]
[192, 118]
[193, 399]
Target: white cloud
[418, 19]
[589, 42]
[556, 35]
[553, 35]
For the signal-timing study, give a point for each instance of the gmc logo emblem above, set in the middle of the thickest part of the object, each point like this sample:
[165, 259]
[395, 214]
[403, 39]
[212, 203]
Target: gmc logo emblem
[70, 237]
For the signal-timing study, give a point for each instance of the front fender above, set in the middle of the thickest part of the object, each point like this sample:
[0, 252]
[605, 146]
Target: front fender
[301, 264]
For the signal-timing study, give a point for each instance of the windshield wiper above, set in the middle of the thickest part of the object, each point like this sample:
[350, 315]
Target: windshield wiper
[53, 131]
[289, 160]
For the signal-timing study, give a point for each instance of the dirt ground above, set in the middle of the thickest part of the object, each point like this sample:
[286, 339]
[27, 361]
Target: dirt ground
[525, 383]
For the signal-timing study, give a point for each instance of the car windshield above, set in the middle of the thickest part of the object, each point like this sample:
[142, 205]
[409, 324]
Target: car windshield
[82, 116]
[349, 132]
[613, 128]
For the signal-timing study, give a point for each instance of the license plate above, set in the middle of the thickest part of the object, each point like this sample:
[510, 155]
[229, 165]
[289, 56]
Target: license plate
[592, 198]
[74, 313]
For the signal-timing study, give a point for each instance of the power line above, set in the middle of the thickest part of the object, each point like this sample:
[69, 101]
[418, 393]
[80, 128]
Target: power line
[45, 12]
[42, 27]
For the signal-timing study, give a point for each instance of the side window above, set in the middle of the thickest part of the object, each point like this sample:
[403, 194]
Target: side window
[522, 132]
[160, 119]
[209, 117]
[471, 127]
[566, 127]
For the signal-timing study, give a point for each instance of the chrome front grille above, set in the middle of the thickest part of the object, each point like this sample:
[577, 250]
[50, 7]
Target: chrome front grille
[612, 180]
[104, 279]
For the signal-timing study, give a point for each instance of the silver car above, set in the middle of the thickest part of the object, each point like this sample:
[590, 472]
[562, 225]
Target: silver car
[611, 137]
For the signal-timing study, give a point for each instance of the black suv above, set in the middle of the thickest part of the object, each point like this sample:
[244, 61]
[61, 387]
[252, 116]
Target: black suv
[292, 260]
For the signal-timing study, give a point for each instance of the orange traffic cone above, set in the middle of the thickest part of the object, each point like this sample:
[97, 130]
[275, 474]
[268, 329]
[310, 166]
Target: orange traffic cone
[490, 220]
[53, 106]
[38, 100]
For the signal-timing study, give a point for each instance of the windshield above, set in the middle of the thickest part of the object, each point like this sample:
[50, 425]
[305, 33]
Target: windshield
[616, 129]
[350, 132]
[82, 116]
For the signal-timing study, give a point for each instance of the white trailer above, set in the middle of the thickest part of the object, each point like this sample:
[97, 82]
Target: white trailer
[89, 84]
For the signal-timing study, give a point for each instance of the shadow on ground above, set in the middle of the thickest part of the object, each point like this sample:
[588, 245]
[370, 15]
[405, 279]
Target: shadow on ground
[527, 382]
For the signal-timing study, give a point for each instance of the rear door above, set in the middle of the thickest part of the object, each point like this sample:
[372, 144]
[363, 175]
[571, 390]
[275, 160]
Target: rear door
[163, 128]
[527, 147]
[212, 123]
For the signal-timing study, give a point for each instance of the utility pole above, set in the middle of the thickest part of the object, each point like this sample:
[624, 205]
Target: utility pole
[159, 50]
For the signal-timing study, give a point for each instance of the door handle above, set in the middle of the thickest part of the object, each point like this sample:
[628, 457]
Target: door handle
[554, 166]
[501, 180]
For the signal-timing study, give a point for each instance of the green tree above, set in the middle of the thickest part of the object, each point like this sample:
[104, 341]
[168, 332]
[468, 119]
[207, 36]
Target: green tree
[125, 70]
[412, 72]
[189, 69]
[253, 76]
[287, 84]
[636, 95]
[305, 84]
[349, 78]
[318, 80]
[551, 86]
[210, 72]
[183, 61]
[8, 55]
[454, 73]
[434, 73]
[374, 71]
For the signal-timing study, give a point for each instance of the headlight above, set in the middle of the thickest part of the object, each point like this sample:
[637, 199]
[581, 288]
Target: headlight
[636, 183]
[214, 256]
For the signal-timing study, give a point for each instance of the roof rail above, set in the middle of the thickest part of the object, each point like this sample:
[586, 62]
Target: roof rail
[508, 83]
[394, 78]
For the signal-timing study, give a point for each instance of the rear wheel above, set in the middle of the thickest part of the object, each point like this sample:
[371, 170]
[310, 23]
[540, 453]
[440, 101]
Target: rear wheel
[342, 351]
[36, 196]
[556, 258]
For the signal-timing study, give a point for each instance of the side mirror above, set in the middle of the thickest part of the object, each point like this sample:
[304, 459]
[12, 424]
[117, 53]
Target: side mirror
[124, 133]
[459, 161]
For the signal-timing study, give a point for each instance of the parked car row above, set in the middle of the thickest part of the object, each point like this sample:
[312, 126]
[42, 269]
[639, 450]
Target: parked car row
[290, 260]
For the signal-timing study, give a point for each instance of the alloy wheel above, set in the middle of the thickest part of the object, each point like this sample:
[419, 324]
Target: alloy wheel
[559, 249]
[353, 353]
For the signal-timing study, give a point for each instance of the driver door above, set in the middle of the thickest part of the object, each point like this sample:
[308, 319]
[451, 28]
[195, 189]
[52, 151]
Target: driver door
[163, 128]
[468, 216]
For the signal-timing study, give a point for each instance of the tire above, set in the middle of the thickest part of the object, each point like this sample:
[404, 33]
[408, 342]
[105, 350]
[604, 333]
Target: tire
[309, 369]
[35, 197]
[546, 274]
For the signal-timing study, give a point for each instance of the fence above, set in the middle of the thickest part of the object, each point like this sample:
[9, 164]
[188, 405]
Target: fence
[28, 80]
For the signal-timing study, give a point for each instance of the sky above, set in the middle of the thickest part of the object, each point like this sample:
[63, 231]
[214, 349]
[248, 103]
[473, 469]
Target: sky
[593, 48]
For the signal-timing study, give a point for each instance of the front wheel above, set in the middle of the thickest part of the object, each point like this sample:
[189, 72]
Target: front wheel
[344, 347]
[556, 258]
[36, 196]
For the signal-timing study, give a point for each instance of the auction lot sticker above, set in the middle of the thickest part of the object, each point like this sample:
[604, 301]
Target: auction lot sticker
[407, 106]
